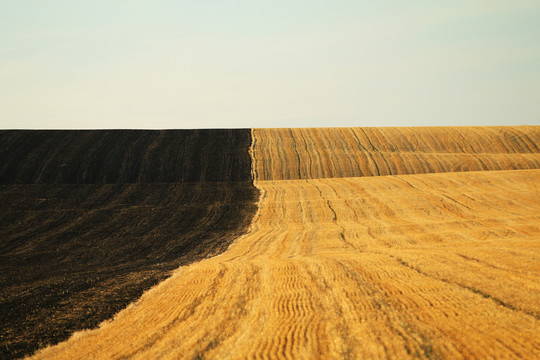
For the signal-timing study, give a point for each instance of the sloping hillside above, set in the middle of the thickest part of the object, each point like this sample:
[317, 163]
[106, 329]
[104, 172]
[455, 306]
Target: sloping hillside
[427, 266]
[91, 219]
[318, 153]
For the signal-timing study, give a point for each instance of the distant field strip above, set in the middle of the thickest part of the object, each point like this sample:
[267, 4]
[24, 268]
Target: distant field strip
[318, 153]
[428, 266]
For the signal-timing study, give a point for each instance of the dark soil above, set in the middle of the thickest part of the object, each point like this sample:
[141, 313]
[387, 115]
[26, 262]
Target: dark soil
[124, 156]
[91, 219]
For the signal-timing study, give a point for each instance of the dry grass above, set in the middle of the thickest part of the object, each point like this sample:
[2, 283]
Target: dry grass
[317, 153]
[424, 266]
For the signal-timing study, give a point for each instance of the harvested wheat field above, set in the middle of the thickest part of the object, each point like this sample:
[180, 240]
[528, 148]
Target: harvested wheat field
[437, 259]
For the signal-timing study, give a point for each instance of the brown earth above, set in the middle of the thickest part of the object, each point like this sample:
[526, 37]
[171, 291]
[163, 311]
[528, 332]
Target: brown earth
[429, 266]
[123, 156]
[101, 216]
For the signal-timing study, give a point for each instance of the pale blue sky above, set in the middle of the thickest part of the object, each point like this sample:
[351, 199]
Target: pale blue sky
[219, 63]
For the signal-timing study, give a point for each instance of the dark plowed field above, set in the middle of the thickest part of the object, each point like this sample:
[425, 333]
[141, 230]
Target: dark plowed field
[124, 156]
[91, 219]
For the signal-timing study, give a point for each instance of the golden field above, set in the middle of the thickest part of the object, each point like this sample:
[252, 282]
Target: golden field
[437, 260]
[316, 153]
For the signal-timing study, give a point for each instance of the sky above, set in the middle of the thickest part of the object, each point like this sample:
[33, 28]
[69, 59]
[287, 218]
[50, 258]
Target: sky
[173, 64]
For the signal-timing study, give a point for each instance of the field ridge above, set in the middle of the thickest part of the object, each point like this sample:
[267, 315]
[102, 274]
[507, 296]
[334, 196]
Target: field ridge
[318, 153]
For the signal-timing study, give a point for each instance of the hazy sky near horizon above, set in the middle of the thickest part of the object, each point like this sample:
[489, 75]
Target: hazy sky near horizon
[246, 63]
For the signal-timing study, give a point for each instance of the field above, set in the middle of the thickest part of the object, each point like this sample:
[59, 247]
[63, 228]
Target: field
[91, 219]
[367, 243]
